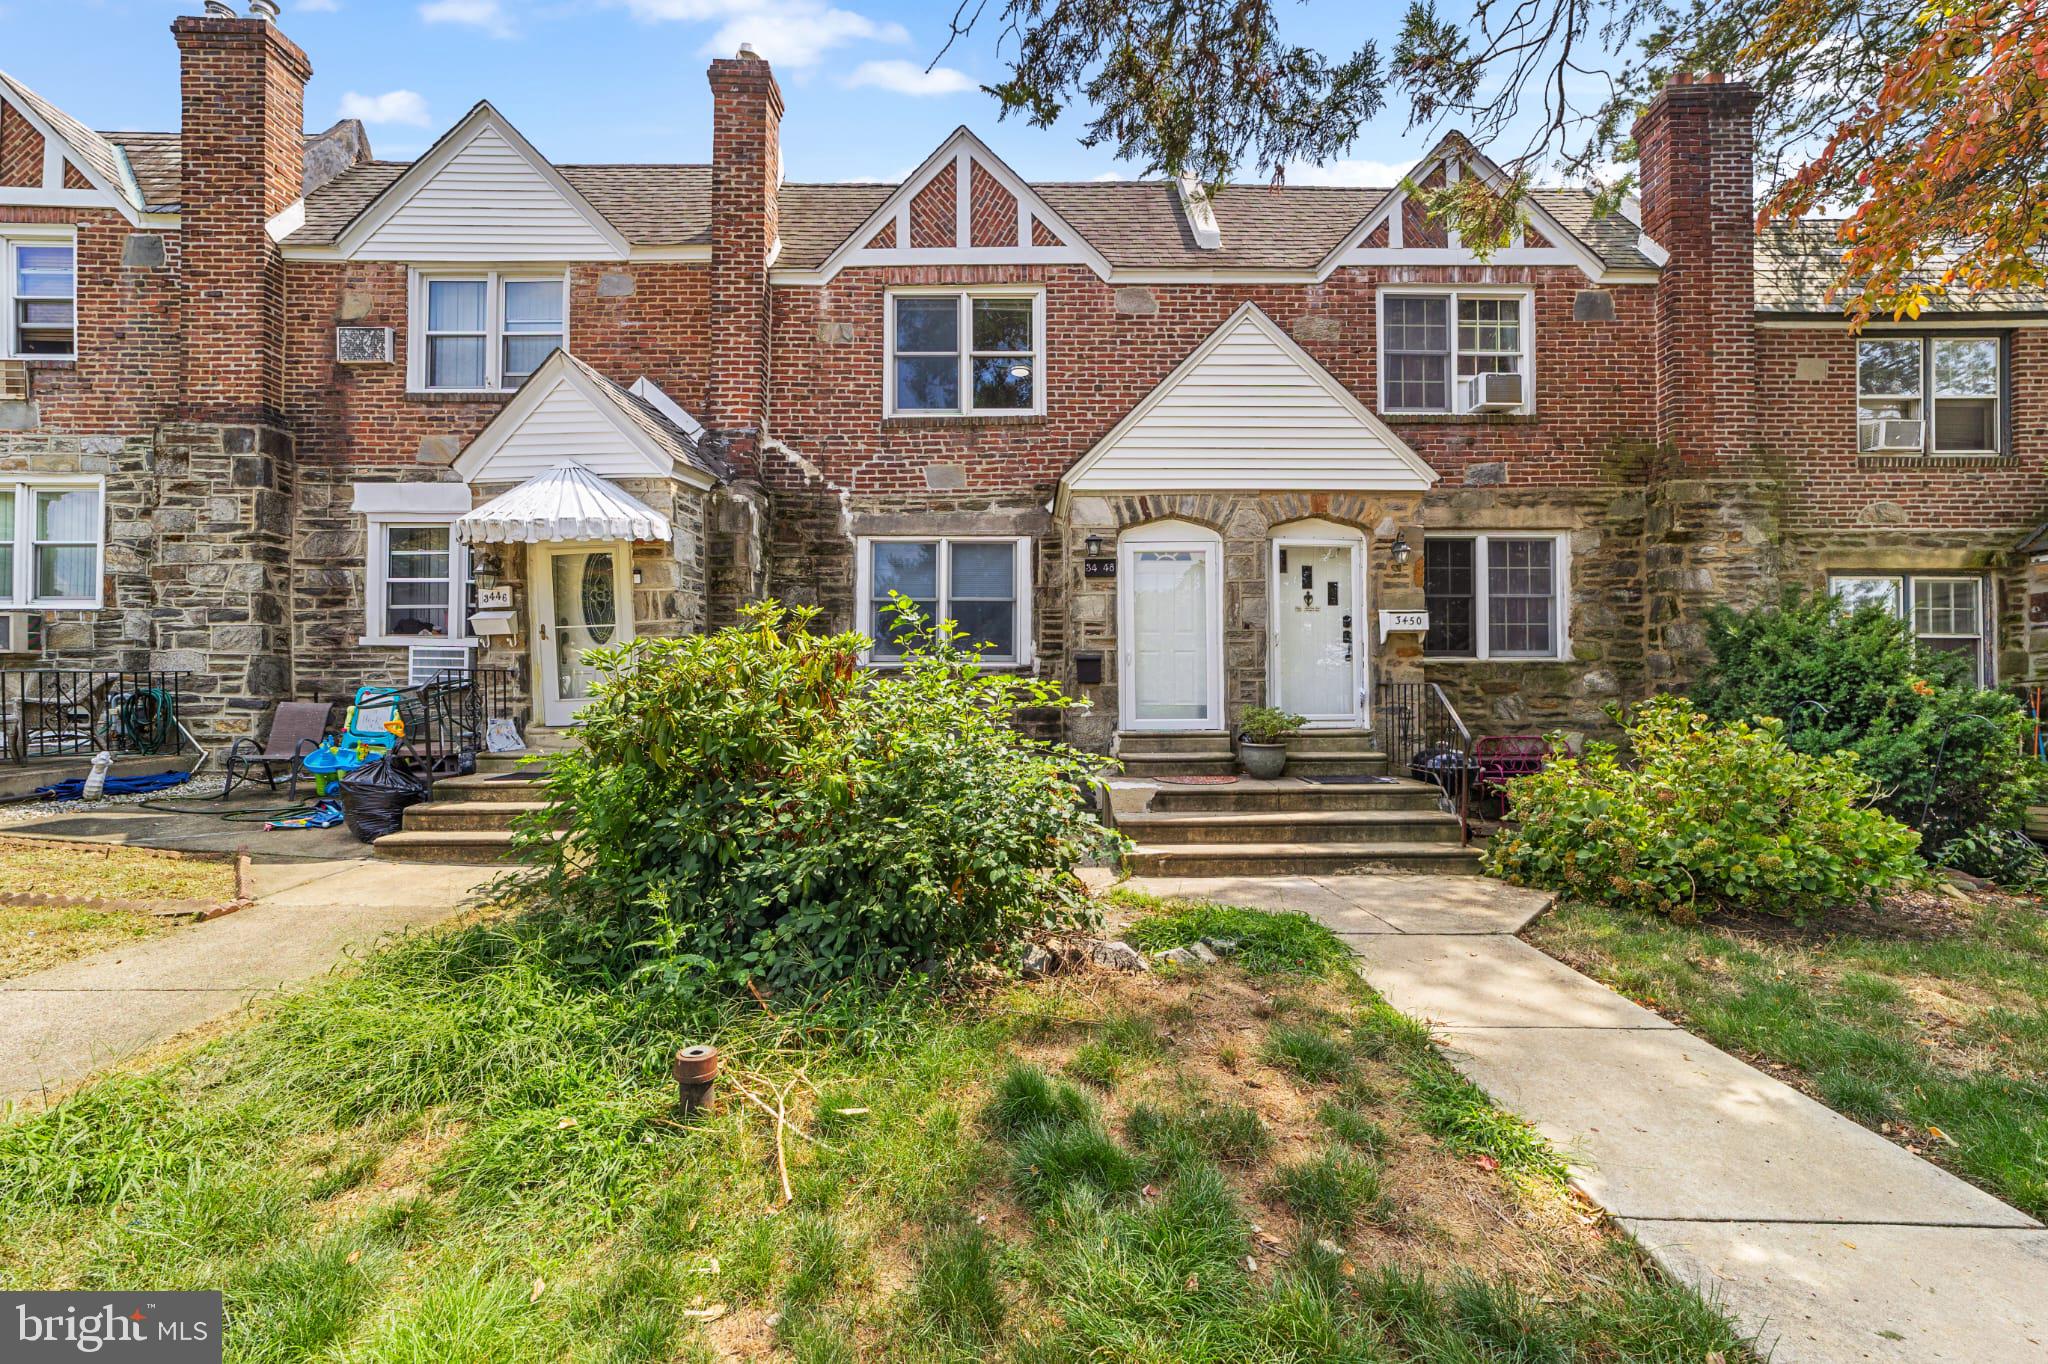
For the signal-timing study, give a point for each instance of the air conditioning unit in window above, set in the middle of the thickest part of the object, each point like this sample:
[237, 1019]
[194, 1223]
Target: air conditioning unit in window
[362, 345]
[1892, 433]
[13, 381]
[1492, 392]
[20, 633]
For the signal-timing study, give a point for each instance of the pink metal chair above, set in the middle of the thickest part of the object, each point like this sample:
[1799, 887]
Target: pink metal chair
[1498, 759]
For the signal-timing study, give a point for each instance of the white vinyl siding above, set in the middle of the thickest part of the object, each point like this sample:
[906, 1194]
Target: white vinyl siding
[487, 203]
[564, 425]
[1250, 410]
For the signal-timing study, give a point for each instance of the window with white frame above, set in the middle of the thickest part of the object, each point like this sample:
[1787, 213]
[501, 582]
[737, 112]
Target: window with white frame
[970, 353]
[419, 573]
[1947, 612]
[1494, 595]
[1436, 347]
[40, 291]
[487, 330]
[1929, 395]
[983, 585]
[51, 542]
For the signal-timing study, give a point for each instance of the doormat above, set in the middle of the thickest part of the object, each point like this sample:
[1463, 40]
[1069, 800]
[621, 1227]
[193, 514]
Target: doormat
[1198, 781]
[1348, 779]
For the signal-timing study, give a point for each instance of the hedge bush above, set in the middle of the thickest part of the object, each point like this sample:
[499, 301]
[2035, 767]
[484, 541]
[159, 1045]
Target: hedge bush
[1709, 817]
[754, 805]
[1947, 756]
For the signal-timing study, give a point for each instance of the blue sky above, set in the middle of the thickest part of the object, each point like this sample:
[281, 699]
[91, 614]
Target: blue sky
[623, 80]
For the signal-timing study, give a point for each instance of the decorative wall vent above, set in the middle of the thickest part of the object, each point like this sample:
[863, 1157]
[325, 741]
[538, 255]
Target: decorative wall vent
[13, 381]
[362, 345]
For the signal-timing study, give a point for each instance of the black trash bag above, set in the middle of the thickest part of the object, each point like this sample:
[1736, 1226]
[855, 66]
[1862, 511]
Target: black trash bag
[374, 796]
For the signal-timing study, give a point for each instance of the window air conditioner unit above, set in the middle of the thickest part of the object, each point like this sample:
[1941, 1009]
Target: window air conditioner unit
[362, 345]
[20, 633]
[1893, 433]
[13, 381]
[1492, 392]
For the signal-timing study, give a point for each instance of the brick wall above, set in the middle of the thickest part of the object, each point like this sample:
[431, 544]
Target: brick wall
[746, 168]
[21, 149]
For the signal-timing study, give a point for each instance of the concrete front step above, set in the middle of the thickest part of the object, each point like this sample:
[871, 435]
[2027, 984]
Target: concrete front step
[1309, 742]
[1291, 827]
[489, 787]
[1251, 797]
[475, 847]
[1223, 766]
[1175, 743]
[1337, 762]
[469, 815]
[1301, 859]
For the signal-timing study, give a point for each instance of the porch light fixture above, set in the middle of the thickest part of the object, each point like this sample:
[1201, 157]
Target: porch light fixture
[1094, 546]
[1401, 550]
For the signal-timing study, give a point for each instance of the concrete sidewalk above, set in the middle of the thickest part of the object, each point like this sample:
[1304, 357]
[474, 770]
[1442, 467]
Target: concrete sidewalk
[60, 1025]
[1827, 1241]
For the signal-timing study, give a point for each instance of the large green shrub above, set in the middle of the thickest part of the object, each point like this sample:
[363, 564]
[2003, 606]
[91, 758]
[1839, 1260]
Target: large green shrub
[1709, 817]
[753, 805]
[1947, 756]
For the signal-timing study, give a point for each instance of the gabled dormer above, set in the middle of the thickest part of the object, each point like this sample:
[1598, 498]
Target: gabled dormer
[481, 193]
[49, 159]
[1400, 232]
[963, 206]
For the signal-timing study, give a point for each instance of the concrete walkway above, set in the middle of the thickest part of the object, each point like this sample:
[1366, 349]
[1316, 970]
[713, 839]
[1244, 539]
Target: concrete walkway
[62, 1024]
[1827, 1241]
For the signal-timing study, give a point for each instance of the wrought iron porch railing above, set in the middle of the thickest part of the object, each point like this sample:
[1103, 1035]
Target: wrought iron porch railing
[60, 712]
[1424, 737]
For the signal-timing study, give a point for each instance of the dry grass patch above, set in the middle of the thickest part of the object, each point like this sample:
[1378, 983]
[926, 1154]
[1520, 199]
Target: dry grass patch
[107, 871]
[35, 936]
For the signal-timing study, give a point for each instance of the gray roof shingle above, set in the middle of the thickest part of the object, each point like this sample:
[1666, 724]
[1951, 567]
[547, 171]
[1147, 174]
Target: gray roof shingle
[648, 418]
[1796, 262]
[156, 159]
[649, 205]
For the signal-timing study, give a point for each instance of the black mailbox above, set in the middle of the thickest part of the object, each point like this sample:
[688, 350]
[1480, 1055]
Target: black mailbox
[1088, 670]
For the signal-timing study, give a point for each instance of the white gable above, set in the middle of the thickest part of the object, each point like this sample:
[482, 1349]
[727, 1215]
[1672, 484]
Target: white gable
[1250, 411]
[558, 416]
[1380, 239]
[482, 193]
[932, 219]
[69, 144]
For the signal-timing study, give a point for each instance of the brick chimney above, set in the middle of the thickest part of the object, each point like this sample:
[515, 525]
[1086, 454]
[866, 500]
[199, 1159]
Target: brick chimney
[1697, 145]
[243, 85]
[746, 139]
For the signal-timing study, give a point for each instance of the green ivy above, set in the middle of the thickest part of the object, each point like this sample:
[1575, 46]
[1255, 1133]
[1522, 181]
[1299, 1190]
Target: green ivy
[1708, 817]
[754, 805]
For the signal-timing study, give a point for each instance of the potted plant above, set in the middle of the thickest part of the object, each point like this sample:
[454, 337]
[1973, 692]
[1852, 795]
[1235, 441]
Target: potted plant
[1259, 731]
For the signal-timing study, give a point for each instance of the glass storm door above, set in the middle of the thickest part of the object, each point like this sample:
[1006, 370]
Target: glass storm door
[1175, 680]
[584, 601]
[1315, 631]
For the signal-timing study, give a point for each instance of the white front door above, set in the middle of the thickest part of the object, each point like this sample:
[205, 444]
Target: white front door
[1318, 644]
[1170, 603]
[582, 599]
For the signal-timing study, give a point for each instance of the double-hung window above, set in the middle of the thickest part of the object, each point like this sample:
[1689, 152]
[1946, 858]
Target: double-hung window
[1947, 612]
[419, 576]
[40, 293]
[485, 331]
[972, 353]
[51, 538]
[1494, 596]
[984, 585]
[1437, 349]
[1937, 395]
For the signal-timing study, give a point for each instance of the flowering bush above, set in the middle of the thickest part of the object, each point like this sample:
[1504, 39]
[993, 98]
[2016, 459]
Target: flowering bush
[1710, 817]
[753, 805]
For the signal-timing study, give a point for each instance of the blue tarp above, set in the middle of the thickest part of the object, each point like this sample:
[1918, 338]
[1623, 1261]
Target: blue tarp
[74, 788]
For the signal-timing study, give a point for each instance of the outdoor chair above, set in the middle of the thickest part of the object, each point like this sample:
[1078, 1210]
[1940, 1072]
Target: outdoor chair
[296, 729]
[1498, 759]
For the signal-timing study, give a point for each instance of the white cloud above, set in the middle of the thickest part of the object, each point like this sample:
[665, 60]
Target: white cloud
[790, 33]
[1377, 174]
[1109, 175]
[484, 14]
[908, 78]
[393, 106]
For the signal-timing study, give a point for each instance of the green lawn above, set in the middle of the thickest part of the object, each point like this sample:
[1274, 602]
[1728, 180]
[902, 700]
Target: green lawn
[1930, 1025]
[466, 1151]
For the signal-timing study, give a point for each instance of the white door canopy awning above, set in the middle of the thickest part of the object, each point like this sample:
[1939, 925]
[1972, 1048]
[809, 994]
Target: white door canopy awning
[568, 502]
